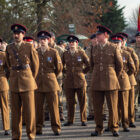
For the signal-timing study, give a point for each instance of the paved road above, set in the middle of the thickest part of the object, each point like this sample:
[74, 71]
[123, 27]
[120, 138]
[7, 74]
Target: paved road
[78, 132]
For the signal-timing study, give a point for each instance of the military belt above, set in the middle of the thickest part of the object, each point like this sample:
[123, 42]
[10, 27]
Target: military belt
[20, 67]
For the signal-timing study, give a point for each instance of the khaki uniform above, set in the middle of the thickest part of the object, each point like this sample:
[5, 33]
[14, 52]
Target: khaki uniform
[75, 66]
[60, 80]
[88, 79]
[24, 63]
[4, 87]
[137, 88]
[107, 65]
[131, 108]
[50, 67]
[125, 86]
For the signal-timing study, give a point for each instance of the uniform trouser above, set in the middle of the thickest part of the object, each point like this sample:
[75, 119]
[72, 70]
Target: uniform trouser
[25, 100]
[112, 102]
[60, 96]
[70, 97]
[52, 101]
[60, 99]
[4, 110]
[123, 107]
[131, 108]
[137, 93]
[90, 101]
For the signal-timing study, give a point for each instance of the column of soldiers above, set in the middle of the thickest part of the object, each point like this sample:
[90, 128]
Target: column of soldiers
[38, 74]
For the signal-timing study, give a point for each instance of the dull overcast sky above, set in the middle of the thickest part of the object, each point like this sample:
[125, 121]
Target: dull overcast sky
[130, 6]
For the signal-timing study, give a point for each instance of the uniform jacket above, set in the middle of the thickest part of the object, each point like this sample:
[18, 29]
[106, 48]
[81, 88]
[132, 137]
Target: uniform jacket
[128, 69]
[50, 67]
[75, 67]
[3, 67]
[89, 74]
[22, 80]
[136, 62]
[137, 50]
[107, 65]
[60, 51]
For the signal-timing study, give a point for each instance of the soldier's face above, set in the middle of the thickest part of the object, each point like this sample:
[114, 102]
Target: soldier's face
[52, 40]
[18, 36]
[119, 44]
[44, 42]
[94, 41]
[73, 44]
[138, 39]
[124, 42]
[101, 37]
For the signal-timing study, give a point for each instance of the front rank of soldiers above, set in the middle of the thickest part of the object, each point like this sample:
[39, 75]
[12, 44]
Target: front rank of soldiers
[34, 77]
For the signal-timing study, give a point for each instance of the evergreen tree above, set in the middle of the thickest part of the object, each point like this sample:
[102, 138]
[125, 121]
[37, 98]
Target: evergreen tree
[113, 18]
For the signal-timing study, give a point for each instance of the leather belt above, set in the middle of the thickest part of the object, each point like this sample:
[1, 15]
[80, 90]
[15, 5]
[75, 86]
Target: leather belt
[21, 67]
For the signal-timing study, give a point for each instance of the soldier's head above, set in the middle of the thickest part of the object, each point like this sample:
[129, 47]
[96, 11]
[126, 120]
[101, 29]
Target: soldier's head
[117, 39]
[44, 38]
[125, 37]
[28, 39]
[52, 39]
[73, 41]
[102, 34]
[137, 37]
[62, 43]
[93, 39]
[18, 32]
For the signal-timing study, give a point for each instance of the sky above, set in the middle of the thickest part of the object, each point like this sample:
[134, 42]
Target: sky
[130, 6]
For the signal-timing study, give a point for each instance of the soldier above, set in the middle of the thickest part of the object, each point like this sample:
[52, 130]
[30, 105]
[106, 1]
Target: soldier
[88, 78]
[3, 45]
[125, 86]
[137, 49]
[31, 40]
[107, 64]
[62, 44]
[4, 87]
[76, 64]
[24, 63]
[50, 67]
[131, 108]
[52, 44]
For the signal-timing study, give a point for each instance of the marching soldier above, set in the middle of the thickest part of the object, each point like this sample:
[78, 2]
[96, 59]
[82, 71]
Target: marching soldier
[52, 44]
[107, 64]
[4, 89]
[50, 67]
[62, 44]
[76, 64]
[131, 107]
[88, 78]
[137, 49]
[125, 86]
[31, 40]
[24, 63]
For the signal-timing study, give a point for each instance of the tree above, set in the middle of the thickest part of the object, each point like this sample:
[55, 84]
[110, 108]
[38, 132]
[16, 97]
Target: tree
[113, 18]
[82, 13]
[51, 15]
[133, 19]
